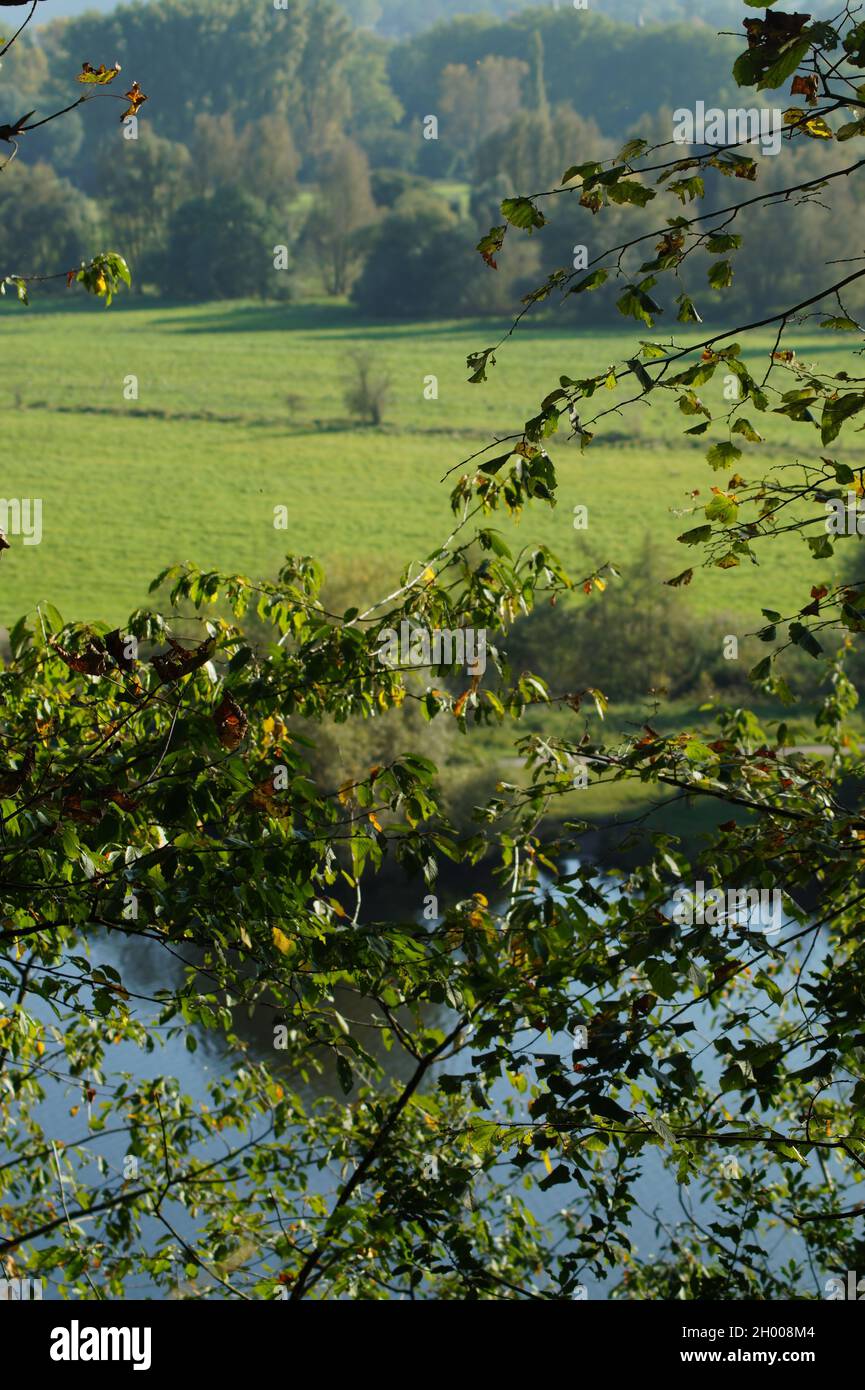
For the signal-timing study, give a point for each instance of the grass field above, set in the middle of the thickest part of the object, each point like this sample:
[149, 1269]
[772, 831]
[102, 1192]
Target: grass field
[241, 409]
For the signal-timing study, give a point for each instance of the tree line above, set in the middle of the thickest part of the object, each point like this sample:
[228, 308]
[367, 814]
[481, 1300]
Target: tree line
[298, 155]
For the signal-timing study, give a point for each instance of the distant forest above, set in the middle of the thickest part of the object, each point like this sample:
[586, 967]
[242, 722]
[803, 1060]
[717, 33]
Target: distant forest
[304, 130]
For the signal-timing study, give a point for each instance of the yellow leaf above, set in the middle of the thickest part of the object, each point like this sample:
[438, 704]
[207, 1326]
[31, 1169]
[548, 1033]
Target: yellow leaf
[374, 821]
[98, 76]
[547, 1164]
[282, 942]
[818, 128]
[814, 126]
[136, 98]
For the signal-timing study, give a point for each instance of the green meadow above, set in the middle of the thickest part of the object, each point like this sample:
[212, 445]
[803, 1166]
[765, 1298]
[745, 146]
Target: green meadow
[240, 410]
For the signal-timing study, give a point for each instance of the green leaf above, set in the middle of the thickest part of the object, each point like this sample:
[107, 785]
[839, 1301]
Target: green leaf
[345, 1073]
[634, 303]
[836, 411]
[629, 191]
[687, 312]
[722, 509]
[723, 456]
[745, 428]
[720, 275]
[785, 66]
[522, 213]
[769, 986]
[696, 536]
[640, 373]
[592, 281]
[802, 637]
[493, 465]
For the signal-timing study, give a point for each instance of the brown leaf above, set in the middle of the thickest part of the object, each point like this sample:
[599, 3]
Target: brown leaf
[231, 723]
[775, 29]
[116, 643]
[71, 806]
[643, 1004]
[136, 98]
[670, 243]
[805, 86]
[93, 661]
[684, 578]
[261, 798]
[171, 666]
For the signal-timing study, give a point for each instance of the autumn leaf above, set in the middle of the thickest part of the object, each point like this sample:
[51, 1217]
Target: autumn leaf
[461, 703]
[775, 29]
[283, 943]
[805, 86]
[100, 76]
[261, 798]
[116, 644]
[814, 126]
[136, 98]
[72, 806]
[93, 661]
[171, 666]
[490, 245]
[670, 244]
[231, 723]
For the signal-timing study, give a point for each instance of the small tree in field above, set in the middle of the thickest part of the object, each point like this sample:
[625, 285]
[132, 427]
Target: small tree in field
[367, 394]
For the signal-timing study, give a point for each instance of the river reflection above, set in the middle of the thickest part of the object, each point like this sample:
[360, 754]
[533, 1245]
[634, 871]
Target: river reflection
[146, 967]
